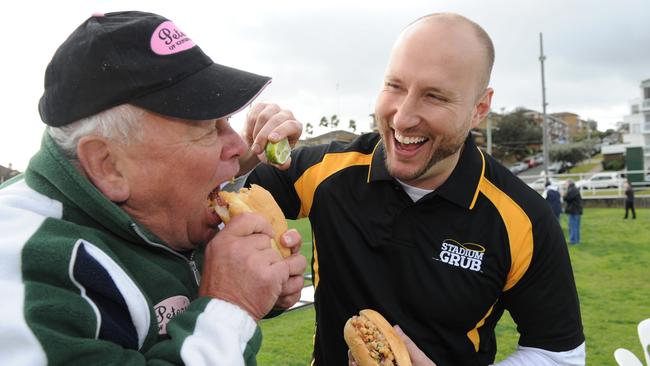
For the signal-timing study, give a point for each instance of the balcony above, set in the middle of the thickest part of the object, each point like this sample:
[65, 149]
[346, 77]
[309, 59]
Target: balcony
[645, 105]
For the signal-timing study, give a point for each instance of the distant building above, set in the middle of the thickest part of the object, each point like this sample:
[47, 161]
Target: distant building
[7, 173]
[639, 122]
[577, 126]
[338, 135]
[558, 129]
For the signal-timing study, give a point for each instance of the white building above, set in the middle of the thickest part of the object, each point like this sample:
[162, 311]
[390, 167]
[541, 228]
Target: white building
[639, 122]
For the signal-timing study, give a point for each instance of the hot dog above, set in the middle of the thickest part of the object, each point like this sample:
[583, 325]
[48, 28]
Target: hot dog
[255, 199]
[373, 341]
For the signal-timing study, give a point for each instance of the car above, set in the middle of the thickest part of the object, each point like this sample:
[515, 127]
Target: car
[557, 167]
[540, 183]
[602, 180]
[518, 167]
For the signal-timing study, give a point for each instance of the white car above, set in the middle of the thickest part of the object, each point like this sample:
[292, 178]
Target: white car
[540, 183]
[518, 167]
[601, 180]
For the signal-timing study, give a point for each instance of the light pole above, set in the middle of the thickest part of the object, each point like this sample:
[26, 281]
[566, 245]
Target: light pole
[489, 133]
[545, 120]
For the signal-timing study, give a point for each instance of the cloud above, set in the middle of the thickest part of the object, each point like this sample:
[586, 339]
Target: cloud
[328, 57]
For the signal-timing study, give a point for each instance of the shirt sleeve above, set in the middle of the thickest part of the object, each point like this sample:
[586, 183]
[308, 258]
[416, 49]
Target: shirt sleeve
[544, 303]
[88, 311]
[525, 356]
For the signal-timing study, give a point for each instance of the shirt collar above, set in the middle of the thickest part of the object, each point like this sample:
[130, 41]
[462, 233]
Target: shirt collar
[462, 185]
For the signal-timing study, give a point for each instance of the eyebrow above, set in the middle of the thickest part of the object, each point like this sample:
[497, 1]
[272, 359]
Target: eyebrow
[434, 89]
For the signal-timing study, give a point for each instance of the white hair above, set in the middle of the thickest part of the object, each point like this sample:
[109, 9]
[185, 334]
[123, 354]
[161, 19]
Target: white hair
[121, 124]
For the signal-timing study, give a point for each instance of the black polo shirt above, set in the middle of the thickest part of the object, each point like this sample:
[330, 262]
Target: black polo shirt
[444, 268]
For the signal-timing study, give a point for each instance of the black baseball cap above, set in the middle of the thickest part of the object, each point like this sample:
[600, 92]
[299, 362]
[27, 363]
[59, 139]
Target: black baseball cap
[145, 60]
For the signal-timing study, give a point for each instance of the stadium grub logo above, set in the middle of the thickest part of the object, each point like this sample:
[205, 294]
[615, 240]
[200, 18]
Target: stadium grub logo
[467, 255]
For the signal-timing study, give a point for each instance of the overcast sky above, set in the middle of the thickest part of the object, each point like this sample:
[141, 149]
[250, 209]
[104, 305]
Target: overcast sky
[328, 57]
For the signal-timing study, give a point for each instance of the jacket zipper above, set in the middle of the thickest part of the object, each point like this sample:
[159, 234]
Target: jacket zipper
[191, 262]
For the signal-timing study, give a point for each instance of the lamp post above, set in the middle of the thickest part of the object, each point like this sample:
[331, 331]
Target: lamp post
[545, 120]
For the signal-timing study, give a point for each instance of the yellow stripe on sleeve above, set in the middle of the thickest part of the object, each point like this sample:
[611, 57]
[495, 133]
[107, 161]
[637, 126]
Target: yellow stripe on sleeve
[520, 241]
[306, 185]
[519, 228]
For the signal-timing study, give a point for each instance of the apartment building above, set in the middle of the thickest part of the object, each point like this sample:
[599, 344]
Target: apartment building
[639, 122]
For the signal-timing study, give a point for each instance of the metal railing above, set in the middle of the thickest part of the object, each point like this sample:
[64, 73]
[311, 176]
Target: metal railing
[618, 191]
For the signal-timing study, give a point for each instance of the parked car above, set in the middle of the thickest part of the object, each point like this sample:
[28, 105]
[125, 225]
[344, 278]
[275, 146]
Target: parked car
[601, 180]
[540, 183]
[518, 167]
[558, 167]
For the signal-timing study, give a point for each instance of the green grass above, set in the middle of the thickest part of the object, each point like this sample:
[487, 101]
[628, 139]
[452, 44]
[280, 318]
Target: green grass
[612, 276]
[304, 229]
[585, 167]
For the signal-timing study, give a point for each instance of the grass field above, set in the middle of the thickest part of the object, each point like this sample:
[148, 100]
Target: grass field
[611, 268]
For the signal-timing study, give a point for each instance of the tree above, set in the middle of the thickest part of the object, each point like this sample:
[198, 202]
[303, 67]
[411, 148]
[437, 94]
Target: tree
[516, 135]
[352, 125]
[323, 122]
[334, 121]
[571, 153]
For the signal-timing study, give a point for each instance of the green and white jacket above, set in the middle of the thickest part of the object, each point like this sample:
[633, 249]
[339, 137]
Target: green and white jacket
[83, 283]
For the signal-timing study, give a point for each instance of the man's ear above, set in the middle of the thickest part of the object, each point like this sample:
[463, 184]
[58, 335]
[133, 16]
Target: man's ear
[99, 161]
[482, 107]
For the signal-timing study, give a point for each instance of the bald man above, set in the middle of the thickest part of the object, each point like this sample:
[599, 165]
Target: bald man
[416, 222]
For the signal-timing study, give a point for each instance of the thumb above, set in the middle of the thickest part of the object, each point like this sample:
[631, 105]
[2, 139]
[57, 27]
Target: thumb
[417, 356]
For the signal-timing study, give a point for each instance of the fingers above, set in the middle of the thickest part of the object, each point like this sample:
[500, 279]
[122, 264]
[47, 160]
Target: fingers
[292, 288]
[268, 122]
[351, 361]
[247, 224]
[297, 264]
[417, 356]
[291, 292]
[292, 240]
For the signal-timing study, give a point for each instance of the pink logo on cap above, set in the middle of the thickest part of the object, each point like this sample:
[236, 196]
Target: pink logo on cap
[169, 308]
[168, 39]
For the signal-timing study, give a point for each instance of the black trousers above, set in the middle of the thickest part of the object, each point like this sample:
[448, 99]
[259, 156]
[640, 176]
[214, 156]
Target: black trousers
[629, 205]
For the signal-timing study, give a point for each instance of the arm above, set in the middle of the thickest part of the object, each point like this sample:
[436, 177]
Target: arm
[540, 357]
[88, 310]
[544, 303]
[77, 305]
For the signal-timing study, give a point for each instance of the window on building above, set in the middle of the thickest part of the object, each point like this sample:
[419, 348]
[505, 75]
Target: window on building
[635, 128]
[635, 108]
[646, 93]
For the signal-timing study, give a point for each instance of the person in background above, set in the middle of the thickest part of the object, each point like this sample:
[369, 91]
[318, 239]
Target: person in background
[554, 198]
[111, 253]
[573, 209]
[629, 199]
[417, 223]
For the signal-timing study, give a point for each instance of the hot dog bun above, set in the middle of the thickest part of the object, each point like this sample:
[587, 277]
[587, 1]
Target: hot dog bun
[254, 199]
[372, 340]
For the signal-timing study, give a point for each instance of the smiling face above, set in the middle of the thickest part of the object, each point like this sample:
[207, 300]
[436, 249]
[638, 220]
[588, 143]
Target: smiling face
[433, 95]
[172, 171]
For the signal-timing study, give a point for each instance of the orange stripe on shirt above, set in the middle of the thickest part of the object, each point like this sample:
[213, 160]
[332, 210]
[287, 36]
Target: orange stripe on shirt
[520, 241]
[332, 163]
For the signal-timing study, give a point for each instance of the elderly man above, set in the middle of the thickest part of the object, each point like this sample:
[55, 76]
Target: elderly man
[419, 224]
[110, 251]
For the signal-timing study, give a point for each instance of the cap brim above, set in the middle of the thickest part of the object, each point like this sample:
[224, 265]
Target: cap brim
[214, 92]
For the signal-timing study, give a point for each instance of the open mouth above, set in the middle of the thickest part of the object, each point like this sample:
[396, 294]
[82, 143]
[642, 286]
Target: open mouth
[214, 200]
[408, 143]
